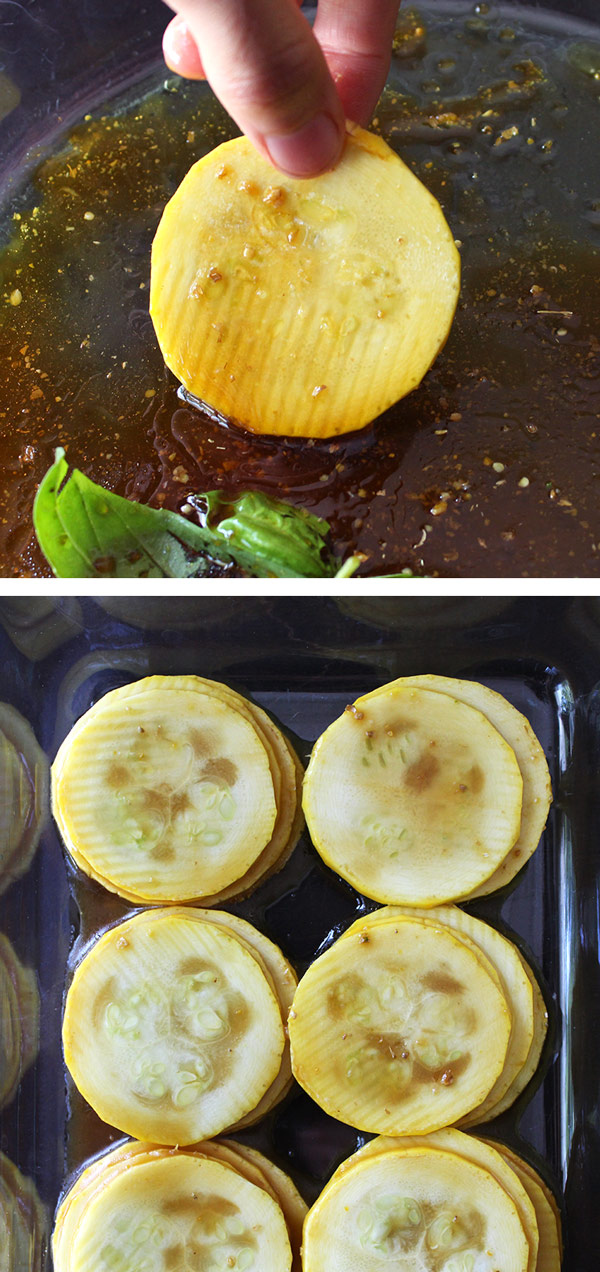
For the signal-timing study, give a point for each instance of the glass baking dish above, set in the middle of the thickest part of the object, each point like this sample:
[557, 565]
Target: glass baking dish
[303, 660]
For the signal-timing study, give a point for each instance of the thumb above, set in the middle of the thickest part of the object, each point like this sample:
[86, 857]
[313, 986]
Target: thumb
[266, 67]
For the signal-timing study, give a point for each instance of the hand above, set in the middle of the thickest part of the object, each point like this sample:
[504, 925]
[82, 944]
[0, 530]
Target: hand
[289, 88]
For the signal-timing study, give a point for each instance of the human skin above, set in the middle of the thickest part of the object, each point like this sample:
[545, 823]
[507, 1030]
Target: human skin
[288, 86]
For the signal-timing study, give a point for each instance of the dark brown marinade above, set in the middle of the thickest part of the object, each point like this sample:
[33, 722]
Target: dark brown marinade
[492, 467]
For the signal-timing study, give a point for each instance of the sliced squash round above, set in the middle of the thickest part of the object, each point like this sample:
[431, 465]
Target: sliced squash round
[413, 797]
[531, 1064]
[248, 1163]
[199, 1208]
[286, 771]
[302, 307]
[283, 982]
[171, 1030]
[275, 855]
[400, 1030]
[75, 1199]
[280, 760]
[165, 794]
[265, 1174]
[226, 1151]
[514, 980]
[546, 1210]
[518, 733]
[482, 1153]
[293, 1206]
[418, 1208]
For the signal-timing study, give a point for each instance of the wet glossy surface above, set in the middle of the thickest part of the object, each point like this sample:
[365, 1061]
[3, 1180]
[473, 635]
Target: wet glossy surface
[304, 661]
[491, 467]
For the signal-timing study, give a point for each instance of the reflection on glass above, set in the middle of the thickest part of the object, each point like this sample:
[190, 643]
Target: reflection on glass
[23, 1222]
[23, 794]
[181, 613]
[39, 625]
[19, 1020]
[407, 612]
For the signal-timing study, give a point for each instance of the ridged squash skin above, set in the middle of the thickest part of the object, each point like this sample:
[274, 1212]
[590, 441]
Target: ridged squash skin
[172, 1029]
[201, 1207]
[166, 793]
[419, 1207]
[547, 1214]
[489, 1156]
[208, 1211]
[177, 788]
[302, 308]
[518, 733]
[514, 976]
[413, 796]
[399, 1030]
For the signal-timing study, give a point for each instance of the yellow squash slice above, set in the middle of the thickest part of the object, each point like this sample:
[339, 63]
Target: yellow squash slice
[164, 794]
[248, 1163]
[302, 307]
[403, 1029]
[75, 1199]
[286, 771]
[171, 1029]
[292, 1204]
[546, 1210]
[420, 1208]
[202, 1209]
[413, 797]
[282, 980]
[261, 1171]
[514, 980]
[518, 733]
[540, 1029]
[481, 1153]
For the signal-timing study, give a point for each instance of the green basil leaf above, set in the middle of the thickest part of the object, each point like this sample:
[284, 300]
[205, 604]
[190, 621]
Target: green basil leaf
[269, 538]
[85, 531]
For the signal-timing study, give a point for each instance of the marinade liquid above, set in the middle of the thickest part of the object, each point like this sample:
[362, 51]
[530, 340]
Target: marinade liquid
[490, 468]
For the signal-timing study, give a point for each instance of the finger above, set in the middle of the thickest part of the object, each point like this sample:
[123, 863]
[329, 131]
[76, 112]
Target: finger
[356, 38]
[264, 64]
[180, 50]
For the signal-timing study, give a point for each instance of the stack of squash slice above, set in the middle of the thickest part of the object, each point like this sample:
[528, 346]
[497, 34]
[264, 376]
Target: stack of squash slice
[23, 1222]
[19, 1020]
[176, 788]
[174, 1025]
[443, 1202]
[427, 790]
[216, 1205]
[415, 1020]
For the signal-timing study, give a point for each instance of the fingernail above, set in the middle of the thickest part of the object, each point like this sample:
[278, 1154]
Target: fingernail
[311, 150]
[180, 50]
